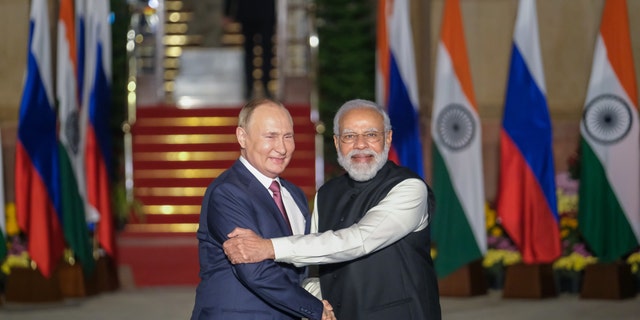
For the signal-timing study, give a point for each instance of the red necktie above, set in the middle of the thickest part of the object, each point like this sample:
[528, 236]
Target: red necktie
[275, 188]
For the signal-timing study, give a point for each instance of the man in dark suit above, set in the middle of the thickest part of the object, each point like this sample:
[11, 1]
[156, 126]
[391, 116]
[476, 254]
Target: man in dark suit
[243, 196]
[374, 245]
[258, 20]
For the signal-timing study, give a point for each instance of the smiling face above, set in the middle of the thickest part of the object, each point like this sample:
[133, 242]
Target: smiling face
[366, 154]
[267, 139]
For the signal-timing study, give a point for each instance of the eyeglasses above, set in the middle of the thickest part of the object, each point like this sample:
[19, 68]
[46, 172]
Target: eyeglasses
[369, 137]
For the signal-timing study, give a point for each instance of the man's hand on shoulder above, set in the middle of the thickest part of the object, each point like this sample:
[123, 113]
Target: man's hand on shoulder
[245, 246]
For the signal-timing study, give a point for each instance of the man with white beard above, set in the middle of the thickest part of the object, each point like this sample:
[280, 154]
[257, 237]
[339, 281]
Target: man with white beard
[374, 242]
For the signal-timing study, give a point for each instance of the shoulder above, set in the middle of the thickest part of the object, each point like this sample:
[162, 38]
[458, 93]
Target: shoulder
[416, 186]
[413, 183]
[236, 180]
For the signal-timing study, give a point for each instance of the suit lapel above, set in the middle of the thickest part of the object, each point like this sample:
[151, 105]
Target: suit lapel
[301, 201]
[266, 204]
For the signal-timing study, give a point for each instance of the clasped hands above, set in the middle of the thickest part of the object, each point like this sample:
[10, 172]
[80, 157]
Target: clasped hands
[245, 246]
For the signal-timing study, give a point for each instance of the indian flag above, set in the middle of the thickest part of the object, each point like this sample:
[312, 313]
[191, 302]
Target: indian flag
[609, 208]
[74, 225]
[459, 219]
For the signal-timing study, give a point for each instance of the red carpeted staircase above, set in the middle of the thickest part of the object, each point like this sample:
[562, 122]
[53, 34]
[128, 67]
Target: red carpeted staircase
[176, 154]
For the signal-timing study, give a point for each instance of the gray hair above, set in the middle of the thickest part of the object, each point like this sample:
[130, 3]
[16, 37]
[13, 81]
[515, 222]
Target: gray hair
[247, 111]
[359, 104]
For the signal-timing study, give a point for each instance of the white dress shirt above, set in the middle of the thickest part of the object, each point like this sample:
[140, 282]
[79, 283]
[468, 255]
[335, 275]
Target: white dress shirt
[402, 211]
[296, 219]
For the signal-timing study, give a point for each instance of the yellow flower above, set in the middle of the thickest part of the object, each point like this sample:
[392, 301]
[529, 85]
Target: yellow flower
[496, 232]
[491, 221]
[490, 215]
[562, 263]
[569, 222]
[511, 258]
[434, 253]
[12, 222]
[574, 262]
[491, 258]
[581, 264]
[566, 203]
[504, 257]
[634, 261]
[16, 261]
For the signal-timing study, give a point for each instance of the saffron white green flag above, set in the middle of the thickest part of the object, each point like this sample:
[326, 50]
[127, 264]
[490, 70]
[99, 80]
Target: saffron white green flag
[76, 232]
[459, 219]
[609, 205]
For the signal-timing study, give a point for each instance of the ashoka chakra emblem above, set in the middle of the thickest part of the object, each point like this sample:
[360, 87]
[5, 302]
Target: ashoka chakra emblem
[607, 118]
[456, 127]
[73, 131]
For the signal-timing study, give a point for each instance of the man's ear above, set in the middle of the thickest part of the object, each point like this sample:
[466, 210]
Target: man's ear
[388, 139]
[241, 135]
[336, 142]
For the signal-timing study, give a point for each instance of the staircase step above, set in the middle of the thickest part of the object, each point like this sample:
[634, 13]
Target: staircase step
[177, 153]
[159, 148]
[190, 218]
[170, 182]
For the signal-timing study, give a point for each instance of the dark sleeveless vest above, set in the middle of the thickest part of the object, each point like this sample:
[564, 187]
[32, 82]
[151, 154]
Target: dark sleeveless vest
[397, 282]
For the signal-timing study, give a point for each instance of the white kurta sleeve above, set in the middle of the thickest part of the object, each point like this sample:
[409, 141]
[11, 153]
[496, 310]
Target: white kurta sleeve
[402, 211]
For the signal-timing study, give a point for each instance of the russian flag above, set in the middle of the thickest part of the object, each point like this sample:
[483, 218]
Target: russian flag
[96, 104]
[80, 17]
[396, 84]
[37, 175]
[527, 202]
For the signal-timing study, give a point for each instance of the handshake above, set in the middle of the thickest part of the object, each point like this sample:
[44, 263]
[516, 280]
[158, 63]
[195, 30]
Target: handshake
[245, 246]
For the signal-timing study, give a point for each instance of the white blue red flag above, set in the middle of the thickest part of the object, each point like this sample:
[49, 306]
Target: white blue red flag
[96, 105]
[527, 203]
[397, 87]
[37, 177]
[80, 20]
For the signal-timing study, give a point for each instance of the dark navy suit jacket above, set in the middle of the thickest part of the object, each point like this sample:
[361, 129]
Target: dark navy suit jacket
[265, 290]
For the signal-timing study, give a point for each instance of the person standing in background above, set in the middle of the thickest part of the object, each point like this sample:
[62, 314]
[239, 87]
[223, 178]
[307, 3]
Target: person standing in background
[202, 24]
[258, 20]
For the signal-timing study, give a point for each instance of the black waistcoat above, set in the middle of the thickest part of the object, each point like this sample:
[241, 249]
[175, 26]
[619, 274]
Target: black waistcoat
[397, 282]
